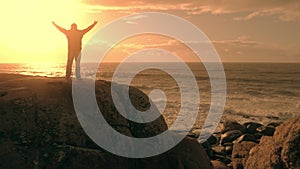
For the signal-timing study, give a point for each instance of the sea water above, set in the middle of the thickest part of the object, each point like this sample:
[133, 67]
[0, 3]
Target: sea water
[261, 92]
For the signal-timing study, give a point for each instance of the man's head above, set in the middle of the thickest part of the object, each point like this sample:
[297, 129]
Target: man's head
[74, 26]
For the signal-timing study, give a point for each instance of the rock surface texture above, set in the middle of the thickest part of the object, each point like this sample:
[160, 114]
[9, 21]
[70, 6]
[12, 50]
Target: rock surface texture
[282, 151]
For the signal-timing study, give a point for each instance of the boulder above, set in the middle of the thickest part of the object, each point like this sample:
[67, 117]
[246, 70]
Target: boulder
[232, 125]
[251, 127]
[266, 130]
[280, 151]
[230, 136]
[219, 165]
[245, 137]
[39, 129]
[240, 154]
[187, 154]
[274, 124]
[218, 149]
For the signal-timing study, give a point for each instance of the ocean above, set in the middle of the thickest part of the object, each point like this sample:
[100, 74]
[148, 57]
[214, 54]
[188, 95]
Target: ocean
[260, 92]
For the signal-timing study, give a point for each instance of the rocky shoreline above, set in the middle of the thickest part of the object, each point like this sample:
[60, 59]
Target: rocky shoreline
[39, 130]
[255, 146]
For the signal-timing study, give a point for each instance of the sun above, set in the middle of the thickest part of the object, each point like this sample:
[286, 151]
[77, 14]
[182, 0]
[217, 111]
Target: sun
[26, 29]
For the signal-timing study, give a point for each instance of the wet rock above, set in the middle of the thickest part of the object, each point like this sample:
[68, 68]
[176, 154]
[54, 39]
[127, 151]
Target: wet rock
[240, 154]
[282, 151]
[232, 125]
[266, 130]
[230, 136]
[251, 127]
[245, 137]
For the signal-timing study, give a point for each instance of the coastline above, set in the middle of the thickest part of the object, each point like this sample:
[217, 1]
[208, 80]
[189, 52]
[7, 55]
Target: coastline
[40, 129]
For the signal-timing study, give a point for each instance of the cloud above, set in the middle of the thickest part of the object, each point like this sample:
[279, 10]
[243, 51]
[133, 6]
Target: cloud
[282, 10]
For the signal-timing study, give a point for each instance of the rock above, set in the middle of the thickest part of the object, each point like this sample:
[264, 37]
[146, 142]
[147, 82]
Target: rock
[208, 149]
[251, 127]
[245, 137]
[280, 151]
[230, 165]
[230, 136]
[194, 133]
[274, 124]
[266, 130]
[232, 125]
[228, 149]
[228, 144]
[225, 159]
[240, 154]
[187, 154]
[257, 136]
[219, 165]
[212, 140]
[220, 150]
[40, 129]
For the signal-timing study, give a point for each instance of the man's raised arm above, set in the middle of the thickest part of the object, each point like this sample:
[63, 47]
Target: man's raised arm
[59, 28]
[90, 27]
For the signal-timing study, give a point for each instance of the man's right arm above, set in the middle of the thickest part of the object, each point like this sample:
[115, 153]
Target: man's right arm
[59, 28]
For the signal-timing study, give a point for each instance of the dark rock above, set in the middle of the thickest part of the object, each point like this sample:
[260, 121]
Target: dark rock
[212, 140]
[187, 154]
[266, 130]
[230, 165]
[274, 124]
[282, 151]
[217, 135]
[228, 149]
[219, 150]
[257, 136]
[232, 125]
[210, 153]
[230, 136]
[207, 147]
[251, 127]
[240, 154]
[228, 144]
[245, 137]
[194, 133]
[224, 159]
[219, 165]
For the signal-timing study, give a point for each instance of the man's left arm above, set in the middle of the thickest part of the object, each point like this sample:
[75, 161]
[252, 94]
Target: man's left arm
[90, 27]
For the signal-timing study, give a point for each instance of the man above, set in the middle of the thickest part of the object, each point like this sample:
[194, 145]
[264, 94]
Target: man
[74, 37]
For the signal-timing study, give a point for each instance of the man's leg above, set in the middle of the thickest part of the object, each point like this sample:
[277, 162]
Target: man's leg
[69, 65]
[77, 69]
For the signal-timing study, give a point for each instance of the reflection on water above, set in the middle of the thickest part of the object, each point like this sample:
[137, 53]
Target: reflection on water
[35, 69]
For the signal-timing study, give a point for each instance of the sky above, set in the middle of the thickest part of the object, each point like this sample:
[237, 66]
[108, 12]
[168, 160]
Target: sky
[240, 30]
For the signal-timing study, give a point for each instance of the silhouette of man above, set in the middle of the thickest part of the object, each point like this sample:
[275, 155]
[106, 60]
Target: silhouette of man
[74, 37]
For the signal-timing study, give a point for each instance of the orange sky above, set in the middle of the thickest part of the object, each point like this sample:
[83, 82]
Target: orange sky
[242, 31]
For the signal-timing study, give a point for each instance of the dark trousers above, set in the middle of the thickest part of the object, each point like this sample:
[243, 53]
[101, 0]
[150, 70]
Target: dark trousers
[71, 55]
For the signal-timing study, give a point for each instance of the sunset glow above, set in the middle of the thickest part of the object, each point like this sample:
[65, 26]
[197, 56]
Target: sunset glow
[243, 31]
[27, 34]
